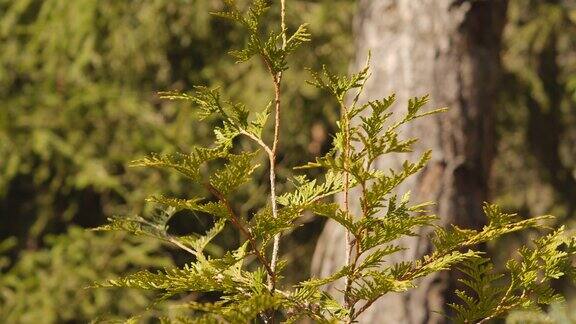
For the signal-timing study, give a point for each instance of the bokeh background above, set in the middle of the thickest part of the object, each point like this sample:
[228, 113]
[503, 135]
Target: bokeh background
[78, 83]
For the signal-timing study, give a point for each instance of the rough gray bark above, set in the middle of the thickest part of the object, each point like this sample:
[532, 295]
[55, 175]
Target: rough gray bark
[450, 50]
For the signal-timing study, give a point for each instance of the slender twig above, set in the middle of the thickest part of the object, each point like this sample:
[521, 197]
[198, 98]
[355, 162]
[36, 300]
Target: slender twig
[258, 141]
[346, 156]
[277, 95]
[238, 224]
[276, 245]
[351, 245]
[271, 151]
[364, 308]
[501, 308]
[180, 245]
[504, 298]
[283, 21]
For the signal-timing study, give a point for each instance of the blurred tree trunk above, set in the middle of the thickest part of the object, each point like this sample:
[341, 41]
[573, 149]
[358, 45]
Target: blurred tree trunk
[449, 49]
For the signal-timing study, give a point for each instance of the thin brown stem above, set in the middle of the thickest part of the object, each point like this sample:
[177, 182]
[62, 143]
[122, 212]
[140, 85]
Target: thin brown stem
[277, 100]
[283, 22]
[236, 221]
[346, 161]
[501, 309]
[272, 158]
[364, 308]
[351, 245]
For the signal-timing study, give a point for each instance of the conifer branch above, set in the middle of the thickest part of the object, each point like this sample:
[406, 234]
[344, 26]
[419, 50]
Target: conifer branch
[238, 224]
[351, 244]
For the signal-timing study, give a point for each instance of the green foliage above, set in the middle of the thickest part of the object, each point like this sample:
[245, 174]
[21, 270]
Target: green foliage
[77, 80]
[268, 48]
[72, 110]
[558, 313]
[50, 285]
[247, 280]
[539, 97]
[525, 285]
[75, 83]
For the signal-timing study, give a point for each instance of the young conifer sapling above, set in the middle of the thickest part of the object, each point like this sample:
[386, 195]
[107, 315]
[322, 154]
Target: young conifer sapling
[247, 280]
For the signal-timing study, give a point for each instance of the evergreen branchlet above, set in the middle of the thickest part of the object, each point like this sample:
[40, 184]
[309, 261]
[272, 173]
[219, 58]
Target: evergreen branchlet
[247, 291]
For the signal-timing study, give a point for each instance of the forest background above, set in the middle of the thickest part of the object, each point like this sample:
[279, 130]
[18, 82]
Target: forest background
[77, 86]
